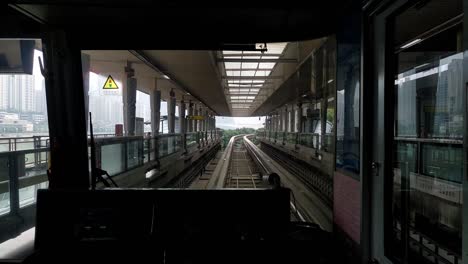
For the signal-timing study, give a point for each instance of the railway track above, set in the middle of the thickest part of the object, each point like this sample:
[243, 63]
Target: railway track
[242, 171]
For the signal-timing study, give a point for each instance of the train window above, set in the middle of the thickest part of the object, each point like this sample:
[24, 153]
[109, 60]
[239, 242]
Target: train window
[428, 135]
[24, 138]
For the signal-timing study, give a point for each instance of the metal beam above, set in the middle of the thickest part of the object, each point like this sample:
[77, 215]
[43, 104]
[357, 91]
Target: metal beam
[252, 55]
[252, 77]
[259, 69]
[285, 60]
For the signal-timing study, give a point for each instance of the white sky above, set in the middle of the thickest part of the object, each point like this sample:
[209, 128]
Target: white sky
[226, 122]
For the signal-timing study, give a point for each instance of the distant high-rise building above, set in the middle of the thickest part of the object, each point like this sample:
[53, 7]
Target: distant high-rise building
[40, 105]
[17, 93]
[4, 91]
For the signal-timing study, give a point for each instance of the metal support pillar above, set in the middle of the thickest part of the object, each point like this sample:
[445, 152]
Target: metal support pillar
[171, 105]
[66, 113]
[286, 119]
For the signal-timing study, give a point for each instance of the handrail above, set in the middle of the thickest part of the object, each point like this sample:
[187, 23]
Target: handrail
[251, 148]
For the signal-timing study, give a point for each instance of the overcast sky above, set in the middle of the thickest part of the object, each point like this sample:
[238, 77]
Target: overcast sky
[226, 122]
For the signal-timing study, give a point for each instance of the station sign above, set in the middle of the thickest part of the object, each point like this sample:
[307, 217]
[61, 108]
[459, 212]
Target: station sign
[196, 117]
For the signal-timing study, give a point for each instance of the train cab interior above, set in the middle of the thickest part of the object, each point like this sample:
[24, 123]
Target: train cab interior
[119, 139]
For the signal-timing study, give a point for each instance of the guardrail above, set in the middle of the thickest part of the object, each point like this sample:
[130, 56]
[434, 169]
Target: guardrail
[310, 140]
[22, 172]
[253, 151]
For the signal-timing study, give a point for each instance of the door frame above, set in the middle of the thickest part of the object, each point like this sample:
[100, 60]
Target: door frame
[377, 62]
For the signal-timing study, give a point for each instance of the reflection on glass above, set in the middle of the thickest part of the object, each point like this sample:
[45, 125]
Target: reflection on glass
[27, 195]
[428, 161]
[4, 186]
[347, 109]
[133, 153]
[112, 158]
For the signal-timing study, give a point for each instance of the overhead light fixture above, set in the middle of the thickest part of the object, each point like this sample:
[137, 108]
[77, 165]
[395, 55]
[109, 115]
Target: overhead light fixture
[166, 77]
[330, 81]
[304, 95]
[414, 42]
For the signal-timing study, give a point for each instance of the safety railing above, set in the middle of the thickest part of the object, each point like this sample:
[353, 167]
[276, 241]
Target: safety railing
[22, 173]
[169, 144]
[280, 136]
[23, 143]
[311, 140]
[191, 139]
[291, 138]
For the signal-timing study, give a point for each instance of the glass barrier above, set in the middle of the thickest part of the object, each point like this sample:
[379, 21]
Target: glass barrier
[280, 137]
[29, 169]
[134, 153]
[113, 158]
[169, 143]
[4, 186]
[328, 143]
[191, 139]
[291, 137]
[310, 140]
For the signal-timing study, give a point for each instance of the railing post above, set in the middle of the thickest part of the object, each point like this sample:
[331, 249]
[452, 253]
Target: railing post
[125, 155]
[13, 172]
[156, 148]
[141, 158]
[149, 149]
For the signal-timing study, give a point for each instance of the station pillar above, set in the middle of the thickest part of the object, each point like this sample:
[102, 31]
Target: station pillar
[155, 98]
[171, 106]
[129, 98]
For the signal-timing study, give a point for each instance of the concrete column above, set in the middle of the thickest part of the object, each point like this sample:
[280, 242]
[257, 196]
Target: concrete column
[182, 119]
[194, 122]
[298, 119]
[273, 123]
[155, 98]
[129, 105]
[190, 113]
[200, 122]
[171, 105]
[286, 119]
[280, 121]
[292, 124]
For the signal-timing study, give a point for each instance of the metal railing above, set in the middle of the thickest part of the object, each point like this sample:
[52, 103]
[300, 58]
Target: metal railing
[22, 172]
[310, 140]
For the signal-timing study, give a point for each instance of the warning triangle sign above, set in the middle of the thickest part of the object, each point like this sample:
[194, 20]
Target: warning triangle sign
[110, 83]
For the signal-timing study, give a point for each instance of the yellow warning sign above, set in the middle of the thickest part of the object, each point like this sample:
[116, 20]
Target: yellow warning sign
[110, 83]
[196, 117]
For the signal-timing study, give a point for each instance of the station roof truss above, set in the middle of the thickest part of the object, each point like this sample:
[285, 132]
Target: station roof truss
[246, 73]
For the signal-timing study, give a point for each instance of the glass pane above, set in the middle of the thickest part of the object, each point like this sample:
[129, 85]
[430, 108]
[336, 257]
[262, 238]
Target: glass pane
[32, 173]
[4, 186]
[347, 115]
[428, 140]
[112, 158]
[133, 153]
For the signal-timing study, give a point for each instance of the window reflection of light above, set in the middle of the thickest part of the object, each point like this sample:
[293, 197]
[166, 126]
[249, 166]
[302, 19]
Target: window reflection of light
[422, 74]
